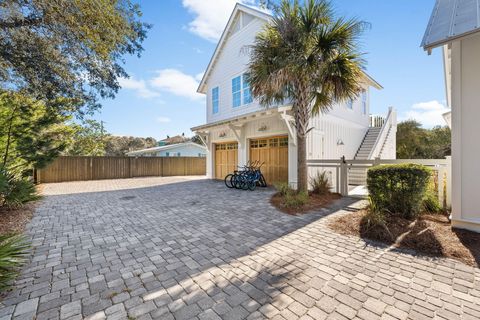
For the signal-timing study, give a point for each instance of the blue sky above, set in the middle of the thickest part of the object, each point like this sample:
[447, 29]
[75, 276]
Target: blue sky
[159, 99]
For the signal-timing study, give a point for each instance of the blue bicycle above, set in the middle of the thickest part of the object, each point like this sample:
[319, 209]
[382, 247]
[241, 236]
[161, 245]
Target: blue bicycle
[247, 178]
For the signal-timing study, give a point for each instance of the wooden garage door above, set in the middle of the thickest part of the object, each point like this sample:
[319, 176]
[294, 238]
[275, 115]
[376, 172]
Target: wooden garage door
[274, 152]
[226, 159]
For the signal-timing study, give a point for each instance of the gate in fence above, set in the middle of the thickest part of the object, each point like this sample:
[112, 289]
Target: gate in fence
[339, 171]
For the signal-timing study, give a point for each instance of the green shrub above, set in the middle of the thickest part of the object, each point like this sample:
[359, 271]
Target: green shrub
[13, 250]
[320, 184]
[430, 201]
[295, 200]
[398, 188]
[15, 191]
[283, 188]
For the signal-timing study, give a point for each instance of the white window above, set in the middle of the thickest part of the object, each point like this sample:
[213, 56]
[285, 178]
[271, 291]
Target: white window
[247, 94]
[350, 104]
[237, 91]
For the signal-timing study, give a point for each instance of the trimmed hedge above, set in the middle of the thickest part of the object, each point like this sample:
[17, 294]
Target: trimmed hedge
[398, 188]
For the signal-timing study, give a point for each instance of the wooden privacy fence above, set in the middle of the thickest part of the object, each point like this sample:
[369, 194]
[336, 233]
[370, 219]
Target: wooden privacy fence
[97, 168]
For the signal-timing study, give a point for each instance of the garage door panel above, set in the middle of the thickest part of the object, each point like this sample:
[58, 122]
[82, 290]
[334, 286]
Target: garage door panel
[274, 152]
[226, 157]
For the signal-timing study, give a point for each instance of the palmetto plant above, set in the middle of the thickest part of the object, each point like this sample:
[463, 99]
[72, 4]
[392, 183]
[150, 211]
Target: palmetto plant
[308, 57]
[13, 250]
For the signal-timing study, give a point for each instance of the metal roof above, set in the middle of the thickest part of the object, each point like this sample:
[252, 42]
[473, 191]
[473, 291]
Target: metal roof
[450, 20]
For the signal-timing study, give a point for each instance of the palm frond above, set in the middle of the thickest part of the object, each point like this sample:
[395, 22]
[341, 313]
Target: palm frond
[13, 252]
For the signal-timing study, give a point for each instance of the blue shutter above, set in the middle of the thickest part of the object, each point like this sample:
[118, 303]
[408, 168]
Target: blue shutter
[215, 100]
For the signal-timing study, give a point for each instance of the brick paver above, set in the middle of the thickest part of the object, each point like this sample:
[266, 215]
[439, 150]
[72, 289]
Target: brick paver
[184, 248]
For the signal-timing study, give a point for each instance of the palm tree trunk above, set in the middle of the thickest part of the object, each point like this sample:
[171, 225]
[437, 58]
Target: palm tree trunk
[302, 169]
[302, 116]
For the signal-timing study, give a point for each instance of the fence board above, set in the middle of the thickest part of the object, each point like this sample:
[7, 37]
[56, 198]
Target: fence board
[97, 168]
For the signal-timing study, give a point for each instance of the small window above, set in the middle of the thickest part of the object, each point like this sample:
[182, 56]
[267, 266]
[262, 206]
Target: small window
[167, 154]
[283, 142]
[215, 100]
[364, 101]
[350, 104]
[247, 94]
[262, 143]
[178, 154]
[236, 92]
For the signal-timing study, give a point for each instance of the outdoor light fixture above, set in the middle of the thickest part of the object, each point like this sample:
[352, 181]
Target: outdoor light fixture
[222, 134]
[263, 127]
[340, 142]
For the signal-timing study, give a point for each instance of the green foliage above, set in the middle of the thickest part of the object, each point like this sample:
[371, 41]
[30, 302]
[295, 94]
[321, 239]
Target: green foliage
[307, 56]
[415, 142]
[13, 251]
[70, 49]
[295, 199]
[15, 191]
[291, 198]
[32, 132]
[374, 217]
[398, 188]
[119, 146]
[430, 200]
[88, 139]
[320, 184]
[283, 188]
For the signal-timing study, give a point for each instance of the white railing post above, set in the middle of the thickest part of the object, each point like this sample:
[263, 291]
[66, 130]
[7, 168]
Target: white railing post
[343, 177]
[448, 178]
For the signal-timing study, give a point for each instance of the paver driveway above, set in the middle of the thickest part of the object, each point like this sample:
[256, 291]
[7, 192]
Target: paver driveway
[168, 248]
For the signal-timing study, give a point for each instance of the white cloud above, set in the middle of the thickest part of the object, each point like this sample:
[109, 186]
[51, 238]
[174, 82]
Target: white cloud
[211, 17]
[178, 83]
[139, 86]
[163, 119]
[429, 113]
[199, 76]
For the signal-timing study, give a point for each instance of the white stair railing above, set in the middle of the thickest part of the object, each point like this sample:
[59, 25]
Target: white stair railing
[388, 123]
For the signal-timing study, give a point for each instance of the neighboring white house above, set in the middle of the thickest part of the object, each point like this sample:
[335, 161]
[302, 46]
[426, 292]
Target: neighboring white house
[186, 149]
[239, 130]
[455, 27]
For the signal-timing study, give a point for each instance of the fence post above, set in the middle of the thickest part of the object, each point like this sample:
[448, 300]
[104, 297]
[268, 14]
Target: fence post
[343, 177]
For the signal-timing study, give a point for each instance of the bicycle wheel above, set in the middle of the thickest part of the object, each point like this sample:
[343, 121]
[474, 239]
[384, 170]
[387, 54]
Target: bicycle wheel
[251, 185]
[263, 182]
[228, 180]
[237, 181]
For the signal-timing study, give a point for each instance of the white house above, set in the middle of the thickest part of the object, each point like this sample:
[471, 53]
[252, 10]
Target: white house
[186, 149]
[239, 130]
[455, 27]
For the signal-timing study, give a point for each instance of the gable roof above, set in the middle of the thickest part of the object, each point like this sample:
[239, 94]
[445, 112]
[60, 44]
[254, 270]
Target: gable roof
[261, 15]
[238, 7]
[167, 147]
[450, 20]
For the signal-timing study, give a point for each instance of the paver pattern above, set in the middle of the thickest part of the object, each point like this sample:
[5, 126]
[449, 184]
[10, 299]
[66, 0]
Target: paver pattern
[176, 248]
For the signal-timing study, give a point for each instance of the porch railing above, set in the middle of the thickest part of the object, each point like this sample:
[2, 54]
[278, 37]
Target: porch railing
[338, 173]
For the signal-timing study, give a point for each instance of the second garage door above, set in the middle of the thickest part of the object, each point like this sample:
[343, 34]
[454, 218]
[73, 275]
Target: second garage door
[274, 152]
[226, 159]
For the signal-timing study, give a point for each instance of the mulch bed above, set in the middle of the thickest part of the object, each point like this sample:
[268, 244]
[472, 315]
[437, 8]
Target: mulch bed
[15, 220]
[315, 202]
[429, 234]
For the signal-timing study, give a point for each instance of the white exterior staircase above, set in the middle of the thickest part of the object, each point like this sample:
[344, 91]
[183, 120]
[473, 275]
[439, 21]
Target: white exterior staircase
[373, 145]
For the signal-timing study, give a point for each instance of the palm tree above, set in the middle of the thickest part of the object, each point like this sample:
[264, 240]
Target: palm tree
[308, 57]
